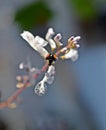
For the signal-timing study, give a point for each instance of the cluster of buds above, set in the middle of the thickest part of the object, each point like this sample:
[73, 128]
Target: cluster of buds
[29, 77]
[71, 51]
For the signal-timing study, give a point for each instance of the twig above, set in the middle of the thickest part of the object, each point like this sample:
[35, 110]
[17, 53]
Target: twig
[19, 91]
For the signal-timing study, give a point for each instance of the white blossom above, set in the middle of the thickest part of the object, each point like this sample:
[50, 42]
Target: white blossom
[57, 39]
[28, 37]
[36, 43]
[71, 51]
[43, 52]
[48, 37]
[76, 39]
[72, 54]
[72, 41]
[33, 41]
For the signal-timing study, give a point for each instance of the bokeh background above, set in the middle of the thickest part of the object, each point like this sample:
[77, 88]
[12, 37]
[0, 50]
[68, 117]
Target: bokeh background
[77, 98]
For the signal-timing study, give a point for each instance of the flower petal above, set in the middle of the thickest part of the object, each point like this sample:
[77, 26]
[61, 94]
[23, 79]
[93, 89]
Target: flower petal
[48, 37]
[77, 38]
[40, 41]
[49, 76]
[72, 42]
[33, 41]
[27, 36]
[43, 52]
[72, 54]
[57, 39]
[36, 43]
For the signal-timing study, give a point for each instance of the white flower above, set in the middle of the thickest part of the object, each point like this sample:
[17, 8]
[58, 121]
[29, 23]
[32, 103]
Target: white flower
[28, 37]
[72, 41]
[36, 43]
[72, 54]
[69, 52]
[33, 41]
[57, 39]
[50, 32]
[43, 52]
[48, 37]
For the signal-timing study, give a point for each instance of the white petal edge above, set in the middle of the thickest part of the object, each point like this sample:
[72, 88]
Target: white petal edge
[36, 43]
[27, 36]
[72, 54]
[48, 37]
[43, 52]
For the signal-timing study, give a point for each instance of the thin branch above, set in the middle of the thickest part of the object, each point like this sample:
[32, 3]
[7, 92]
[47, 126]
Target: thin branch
[19, 91]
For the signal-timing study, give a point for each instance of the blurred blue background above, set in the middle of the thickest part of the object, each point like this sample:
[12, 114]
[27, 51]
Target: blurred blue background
[77, 96]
